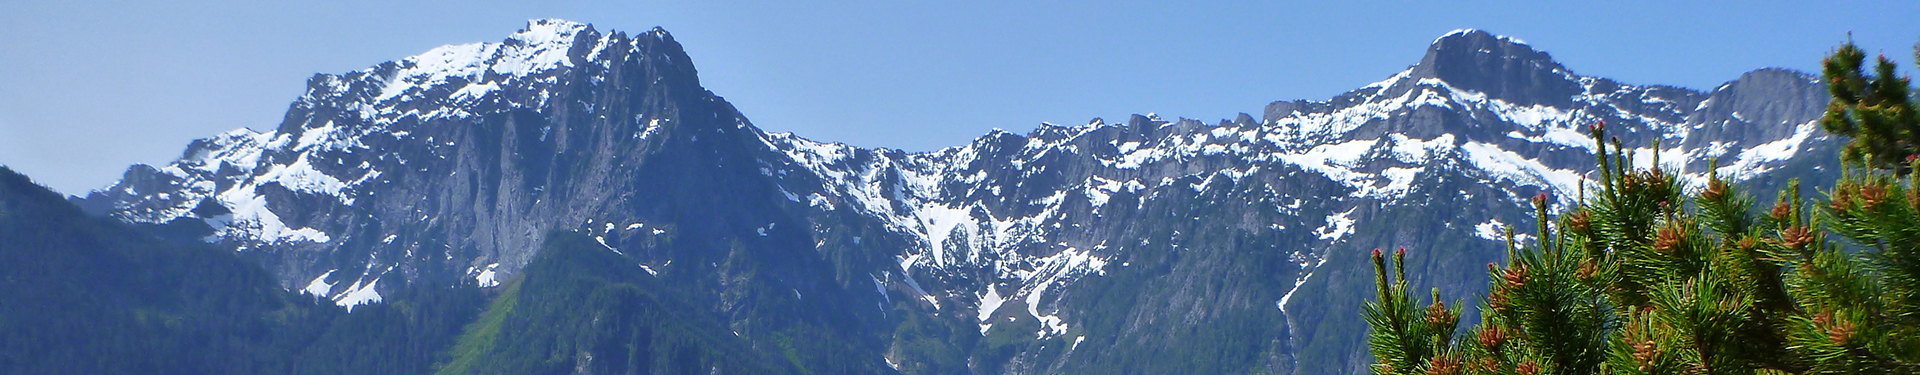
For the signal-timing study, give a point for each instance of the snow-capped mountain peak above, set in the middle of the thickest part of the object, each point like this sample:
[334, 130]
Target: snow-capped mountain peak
[353, 135]
[544, 45]
[452, 166]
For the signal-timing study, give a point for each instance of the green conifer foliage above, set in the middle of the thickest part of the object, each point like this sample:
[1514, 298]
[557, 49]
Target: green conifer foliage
[1641, 277]
[1874, 109]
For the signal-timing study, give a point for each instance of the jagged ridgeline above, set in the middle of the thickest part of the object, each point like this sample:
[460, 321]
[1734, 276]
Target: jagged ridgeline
[1141, 246]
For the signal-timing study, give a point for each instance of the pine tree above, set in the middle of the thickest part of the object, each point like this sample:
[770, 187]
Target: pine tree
[1640, 277]
[1875, 110]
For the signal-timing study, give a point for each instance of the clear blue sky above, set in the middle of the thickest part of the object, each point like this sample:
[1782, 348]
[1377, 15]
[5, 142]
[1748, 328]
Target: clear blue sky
[87, 88]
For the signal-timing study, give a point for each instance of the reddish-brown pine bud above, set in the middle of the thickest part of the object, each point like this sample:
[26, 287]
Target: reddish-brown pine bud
[1515, 276]
[1492, 338]
[1643, 349]
[1587, 270]
[1581, 222]
[1528, 368]
[1841, 333]
[1498, 299]
[1781, 212]
[1716, 189]
[1842, 200]
[1667, 240]
[1438, 315]
[1797, 237]
[1838, 329]
[1376, 253]
[1599, 126]
[1643, 353]
[1400, 252]
[1873, 195]
[1540, 199]
[1443, 365]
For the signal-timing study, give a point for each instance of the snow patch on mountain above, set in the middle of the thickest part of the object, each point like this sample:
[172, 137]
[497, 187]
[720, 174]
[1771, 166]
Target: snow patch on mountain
[1501, 164]
[487, 278]
[1338, 226]
[251, 219]
[1491, 230]
[1757, 160]
[358, 294]
[319, 287]
[540, 47]
[989, 302]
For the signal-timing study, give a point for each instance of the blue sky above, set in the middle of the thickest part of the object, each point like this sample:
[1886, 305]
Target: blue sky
[87, 88]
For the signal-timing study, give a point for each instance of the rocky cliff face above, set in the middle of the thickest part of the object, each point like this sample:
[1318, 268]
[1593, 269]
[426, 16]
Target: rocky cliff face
[1142, 246]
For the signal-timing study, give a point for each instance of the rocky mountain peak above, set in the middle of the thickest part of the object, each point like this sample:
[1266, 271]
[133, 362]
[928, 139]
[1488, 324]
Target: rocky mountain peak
[452, 166]
[546, 61]
[550, 30]
[1504, 68]
[513, 123]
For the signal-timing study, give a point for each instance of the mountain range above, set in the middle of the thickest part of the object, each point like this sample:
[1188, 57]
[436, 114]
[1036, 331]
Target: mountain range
[569, 200]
